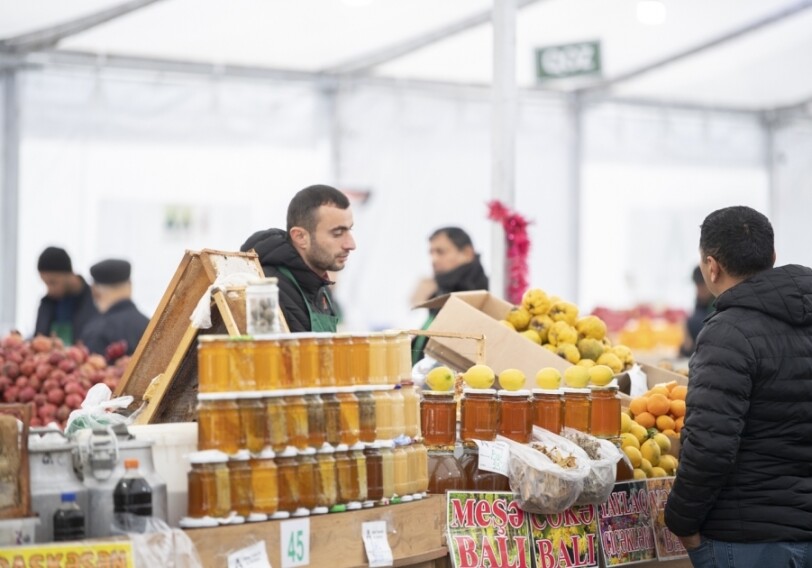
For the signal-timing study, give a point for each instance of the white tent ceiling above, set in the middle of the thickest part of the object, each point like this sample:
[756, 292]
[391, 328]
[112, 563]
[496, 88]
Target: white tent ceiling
[764, 68]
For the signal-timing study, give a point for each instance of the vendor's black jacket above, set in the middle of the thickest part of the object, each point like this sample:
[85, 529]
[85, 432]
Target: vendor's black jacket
[275, 250]
[745, 473]
[84, 312]
[122, 322]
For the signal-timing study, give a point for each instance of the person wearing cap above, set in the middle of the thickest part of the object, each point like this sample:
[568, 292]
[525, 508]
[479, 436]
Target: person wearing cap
[68, 306]
[120, 327]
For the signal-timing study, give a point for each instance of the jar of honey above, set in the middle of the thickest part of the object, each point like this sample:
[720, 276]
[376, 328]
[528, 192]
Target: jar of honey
[275, 419]
[444, 473]
[384, 428]
[547, 409]
[212, 363]
[306, 467]
[404, 348]
[479, 479]
[218, 423]
[576, 409]
[516, 415]
[332, 416]
[411, 409]
[267, 363]
[438, 419]
[401, 473]
[374, 462]
[327, 373]
[387, 468]
[411, 468]
[422, 467]
[240, 482]
[366, 413]
[342, 360]
[253, 421]
[289, 373]
[287, 483]
[359, 358]
[377, 359]
[360, 471]
[241, 364]
[295, 409]
[209, 485]
[479, 416]
[349, 416]
[326, 483]
[348, 491]
[316, 421]
[605, 415]
[398, 412]
[309, 370]
[392, 357]
[264, 488]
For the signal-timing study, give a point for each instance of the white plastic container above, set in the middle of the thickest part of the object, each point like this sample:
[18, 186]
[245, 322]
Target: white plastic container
[262, 307]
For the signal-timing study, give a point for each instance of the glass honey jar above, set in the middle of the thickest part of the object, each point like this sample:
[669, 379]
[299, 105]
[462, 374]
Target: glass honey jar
[438, 419]
[253, 421]
[218, 422]
[576, 409]
[326, 482]
[316, 425]
[287, 483]
[241, 364]
[377, 359]
[348, 490]
[605, 412]
[384, 427]
[387, 468]
[289, 373]
[359, 358]
[309, 371]
[332, 416]
[374, 463]
[239, 470]
[392, 357]
[327, 373]
[267, 363]
[411, 409]
[349, 416]
[422, 467]
[275, 419]
[366, 413]
[264, 489]
[548, 409]
[296, 418]
[209, 485]
[342, 360]
[359, 470]
[306, 466]
[212, 363]
[479, 416]
[398, 411]
[516, 415]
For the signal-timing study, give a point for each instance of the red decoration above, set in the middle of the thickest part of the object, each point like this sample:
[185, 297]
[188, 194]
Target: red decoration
[518, 247]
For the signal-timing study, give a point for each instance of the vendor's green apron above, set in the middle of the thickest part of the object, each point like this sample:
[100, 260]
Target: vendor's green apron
[420, 341]
[318, 322]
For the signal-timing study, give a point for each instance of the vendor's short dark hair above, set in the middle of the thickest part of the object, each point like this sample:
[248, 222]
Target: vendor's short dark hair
[302, 208]
[740, 238]
[460, 238]
[697, 277]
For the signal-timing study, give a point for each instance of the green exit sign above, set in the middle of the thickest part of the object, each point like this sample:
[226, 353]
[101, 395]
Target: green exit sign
[571, 60]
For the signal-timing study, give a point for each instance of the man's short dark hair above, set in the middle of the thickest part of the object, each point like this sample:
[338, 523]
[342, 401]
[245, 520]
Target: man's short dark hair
[460, 238]
[697, 277]
[302, 208]
[740, 239]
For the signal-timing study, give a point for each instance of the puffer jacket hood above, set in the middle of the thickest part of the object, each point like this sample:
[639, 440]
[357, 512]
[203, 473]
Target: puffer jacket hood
[274, 249]
[784, 293]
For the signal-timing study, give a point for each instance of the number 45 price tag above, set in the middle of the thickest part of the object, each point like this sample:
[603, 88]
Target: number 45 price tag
[294, 543]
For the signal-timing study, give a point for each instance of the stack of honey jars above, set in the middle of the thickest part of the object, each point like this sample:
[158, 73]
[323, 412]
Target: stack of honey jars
[326, 412]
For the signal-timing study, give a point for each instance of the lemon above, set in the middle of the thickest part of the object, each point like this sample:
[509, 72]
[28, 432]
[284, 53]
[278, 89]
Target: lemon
[634, 455]
[511, 379]
[669, 464]
[440, 379]
[639, 474]
[532, 335]
[586, 363]
[479, 377]
[645, 465]
[568, 352]
[576, 377]
[663, 441]
[629, 440]
[548, 378]
[639, 432]
[507, 324]
[658, 472]
[600, 375]
[612, 361]
[625, 423]
[519, 318]
[651, 451]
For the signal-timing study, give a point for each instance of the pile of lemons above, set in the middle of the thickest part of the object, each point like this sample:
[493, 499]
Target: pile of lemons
[647, 450]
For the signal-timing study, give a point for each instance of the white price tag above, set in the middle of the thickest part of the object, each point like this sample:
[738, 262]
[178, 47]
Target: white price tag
[379, 553]
[493, 456]
[294, 543]
[254, 556]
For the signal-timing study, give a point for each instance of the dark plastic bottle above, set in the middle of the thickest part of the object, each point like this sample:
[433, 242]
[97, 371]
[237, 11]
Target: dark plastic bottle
[69, 521]
[132, 499]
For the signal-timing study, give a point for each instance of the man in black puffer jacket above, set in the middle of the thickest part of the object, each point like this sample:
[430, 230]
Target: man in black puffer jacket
[743, 492]
[317, 240]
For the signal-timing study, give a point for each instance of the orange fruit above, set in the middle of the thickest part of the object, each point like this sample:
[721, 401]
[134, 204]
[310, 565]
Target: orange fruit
[658, 404]
[671, 433]
[638, 405]
[646, 420]
[679, 392]
[659, 389]
[680, 422]
[678, 408]
[665, 422]
[670, 386]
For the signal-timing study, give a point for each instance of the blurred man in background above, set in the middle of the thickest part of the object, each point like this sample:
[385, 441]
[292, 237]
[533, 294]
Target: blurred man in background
[743, 492]
[119, 328]
[703, 307]
[318, 240]
[68, 306]
[456, 269]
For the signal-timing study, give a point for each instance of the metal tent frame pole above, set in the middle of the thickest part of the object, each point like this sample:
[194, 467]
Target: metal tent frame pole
[9, 198]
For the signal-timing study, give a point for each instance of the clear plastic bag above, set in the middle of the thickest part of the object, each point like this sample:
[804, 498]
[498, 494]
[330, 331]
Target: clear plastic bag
[96, 410]
[603, 457]
[540, 484]
[161, 545]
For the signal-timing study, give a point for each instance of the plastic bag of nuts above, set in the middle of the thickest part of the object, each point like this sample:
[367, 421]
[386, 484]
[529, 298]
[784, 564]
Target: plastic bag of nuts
[603, 457]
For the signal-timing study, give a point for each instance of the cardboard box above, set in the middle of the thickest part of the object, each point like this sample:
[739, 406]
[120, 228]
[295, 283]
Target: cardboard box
[479, 313]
